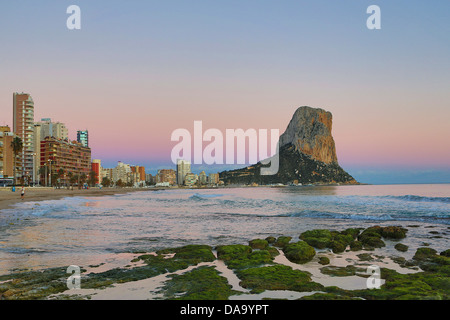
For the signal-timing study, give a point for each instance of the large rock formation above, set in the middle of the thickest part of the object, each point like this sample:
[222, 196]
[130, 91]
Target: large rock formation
[307, 154]
[310, 133]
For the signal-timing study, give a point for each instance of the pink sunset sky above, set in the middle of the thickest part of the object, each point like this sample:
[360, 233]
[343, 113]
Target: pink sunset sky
[131, 83]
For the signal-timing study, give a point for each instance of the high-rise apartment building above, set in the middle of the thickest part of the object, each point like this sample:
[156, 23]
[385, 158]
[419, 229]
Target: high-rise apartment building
[52, 129]
[23, 127]
[66, 155]
[37, 151]
[166, 176]
[6, 152]
[121, 172]
[213, 178]
[97, 168]
[83, 137]
[183, 168]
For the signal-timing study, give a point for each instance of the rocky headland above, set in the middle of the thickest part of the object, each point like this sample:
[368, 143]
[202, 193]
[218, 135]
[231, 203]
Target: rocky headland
[307, 155]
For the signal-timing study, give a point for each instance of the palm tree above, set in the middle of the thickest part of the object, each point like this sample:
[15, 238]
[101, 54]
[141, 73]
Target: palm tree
[17, 146]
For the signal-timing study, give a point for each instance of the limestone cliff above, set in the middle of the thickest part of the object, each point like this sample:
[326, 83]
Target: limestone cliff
[307, 154]
[310, 132]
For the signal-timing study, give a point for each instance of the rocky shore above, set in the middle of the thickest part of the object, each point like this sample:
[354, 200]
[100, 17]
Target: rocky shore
[320, 264]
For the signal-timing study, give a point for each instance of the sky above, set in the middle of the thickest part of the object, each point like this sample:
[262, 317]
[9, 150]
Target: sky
[138, 70]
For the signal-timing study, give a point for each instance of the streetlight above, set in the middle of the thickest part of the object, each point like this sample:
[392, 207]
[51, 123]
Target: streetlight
[50, 174]
[34, 169]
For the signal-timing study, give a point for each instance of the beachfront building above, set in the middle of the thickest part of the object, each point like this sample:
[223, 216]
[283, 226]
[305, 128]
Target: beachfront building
[190, 179]
[97, 168]
[213, 178]
[73, 158]
[121, 172]
[183, 168]
[52, 129]
[203, 178]
[6, 152]
[166, 175]
[23, 127]
[83, 137]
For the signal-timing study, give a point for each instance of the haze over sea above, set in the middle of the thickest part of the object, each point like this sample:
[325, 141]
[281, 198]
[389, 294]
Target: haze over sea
[83, 231]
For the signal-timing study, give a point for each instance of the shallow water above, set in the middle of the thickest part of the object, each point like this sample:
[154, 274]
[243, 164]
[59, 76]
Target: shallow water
[83, 231]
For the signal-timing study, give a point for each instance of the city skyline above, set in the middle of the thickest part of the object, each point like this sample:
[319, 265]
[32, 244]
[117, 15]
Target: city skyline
[150, 68]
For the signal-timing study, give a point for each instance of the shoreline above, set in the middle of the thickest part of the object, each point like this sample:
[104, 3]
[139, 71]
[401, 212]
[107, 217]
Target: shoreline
[8, 198]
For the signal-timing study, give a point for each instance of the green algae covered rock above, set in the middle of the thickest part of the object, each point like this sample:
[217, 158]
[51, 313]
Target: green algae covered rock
[193, 253]
[445, 253]
[322, 238]
[424, 253]
[356, 245]
[401, 247]
[241, 256]
[324, 260]
[318, 238]
[277, 277]
[233, 251]
[282, 241]
[258, 244]
[203, 283]
[299, 252]
[371, 238]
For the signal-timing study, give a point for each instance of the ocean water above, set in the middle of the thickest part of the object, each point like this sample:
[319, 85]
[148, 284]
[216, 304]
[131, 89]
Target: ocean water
[85, 230]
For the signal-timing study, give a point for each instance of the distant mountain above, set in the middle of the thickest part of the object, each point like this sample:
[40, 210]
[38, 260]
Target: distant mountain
[307, 154]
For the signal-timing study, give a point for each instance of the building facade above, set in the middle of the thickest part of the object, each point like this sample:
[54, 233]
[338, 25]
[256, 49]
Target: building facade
[52, 129]
[83, 137]
[183, 168]
[97, 168]
[121, 172]
[166, 176]
[213, 178]
[73, 158]
[23, 127]
[6, 152]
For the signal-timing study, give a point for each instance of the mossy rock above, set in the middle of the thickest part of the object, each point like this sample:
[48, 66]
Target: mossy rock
[371, 238]
[415, 286]
[424, 253]
[277, 277]
[204, 283]
[347, 271]
[233, 251]
[316, 233]
[356, 245]
[337, 246]
[194, 253]
[401, 247]
[258, 244]
[393, 232]
[324, 260]
[240, 256]
[445, 253]
[282, 241]
[353, 232]
[299, 252]
[270, 239]
[327, 296]
[365, 257]
[273, 251]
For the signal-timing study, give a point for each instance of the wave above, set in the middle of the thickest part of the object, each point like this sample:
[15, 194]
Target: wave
[419, 198]
[203, 197]
[396, 216]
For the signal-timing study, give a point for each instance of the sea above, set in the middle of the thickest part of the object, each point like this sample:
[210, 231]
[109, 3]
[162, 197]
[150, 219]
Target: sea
[86, 230]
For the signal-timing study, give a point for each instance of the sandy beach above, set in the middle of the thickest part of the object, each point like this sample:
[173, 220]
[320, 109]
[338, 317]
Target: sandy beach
[9, 198]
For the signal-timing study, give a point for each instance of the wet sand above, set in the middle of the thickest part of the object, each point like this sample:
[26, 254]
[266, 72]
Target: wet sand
[9, 198]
